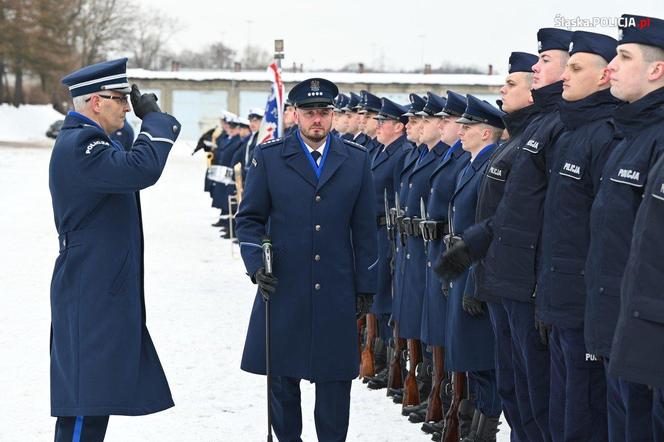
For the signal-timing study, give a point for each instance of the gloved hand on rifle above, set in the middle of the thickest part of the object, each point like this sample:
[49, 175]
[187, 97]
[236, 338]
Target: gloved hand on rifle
[266, 283]
[143, 104]
[544, 330]
[472, 306]
[454, 261]
[363, 302]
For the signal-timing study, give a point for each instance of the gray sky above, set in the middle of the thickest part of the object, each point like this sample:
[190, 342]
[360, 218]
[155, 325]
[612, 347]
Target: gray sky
[391, 34]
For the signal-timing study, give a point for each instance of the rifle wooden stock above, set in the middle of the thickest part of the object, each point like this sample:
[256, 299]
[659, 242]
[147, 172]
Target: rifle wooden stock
[451, 428]
[395, 373]
[367, 367]
[360, 326]
[411, 394]
[435, 410]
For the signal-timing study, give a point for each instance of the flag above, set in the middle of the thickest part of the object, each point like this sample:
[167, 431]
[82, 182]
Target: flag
[272, 124]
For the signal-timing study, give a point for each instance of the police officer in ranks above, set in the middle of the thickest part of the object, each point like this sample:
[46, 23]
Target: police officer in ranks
[124, 136]
[313, 193]
[468, 333]
[442, 183]
[413, 136]
[511, 380]
[414, 278]
[577, 407]
[223, 156]
[385, 166]
[509, 268]
[217, 135]
[637, 77]
[244, 154]
[350, 110]
[103, 361]
[636, 350]
[290, 125]
[339, 119]
[370, 107]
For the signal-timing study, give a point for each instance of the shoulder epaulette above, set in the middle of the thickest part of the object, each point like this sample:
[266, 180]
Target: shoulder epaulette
[270, 143]
[354, 144]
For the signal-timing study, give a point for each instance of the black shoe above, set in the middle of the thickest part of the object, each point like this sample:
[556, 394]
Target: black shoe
[417, 417]
[437, 436]
[432, 427]
[379, 381]
[487, 429]
[415, 409]
[397, 398]
[225, 234]
[218, 223]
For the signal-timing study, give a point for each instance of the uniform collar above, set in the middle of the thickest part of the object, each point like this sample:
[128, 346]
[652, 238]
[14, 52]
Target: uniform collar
[516, 121]
[632, 117]
[548, 98]
[597, 106]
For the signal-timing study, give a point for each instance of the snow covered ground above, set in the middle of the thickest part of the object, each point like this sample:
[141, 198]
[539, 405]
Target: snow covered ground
[27, 123]
[198, 303]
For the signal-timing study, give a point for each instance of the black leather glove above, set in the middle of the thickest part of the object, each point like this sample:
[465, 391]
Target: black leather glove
[143, 104]
[472, 306]
[454, 262]
[363, 302]
[543, 332]
[266, 283]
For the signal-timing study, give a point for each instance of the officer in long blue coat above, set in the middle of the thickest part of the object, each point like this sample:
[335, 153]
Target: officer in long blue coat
[511, 379]
[468, 334]
[386, 163]
[442, 183]
[314, 195]
[577, 406]
[414, 268]
[620, 194]
[102, 358]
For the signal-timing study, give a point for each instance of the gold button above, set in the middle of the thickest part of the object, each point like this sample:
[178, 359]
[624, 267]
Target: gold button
[317, 198]
[317, 257]
[317, 286]
[317, 227]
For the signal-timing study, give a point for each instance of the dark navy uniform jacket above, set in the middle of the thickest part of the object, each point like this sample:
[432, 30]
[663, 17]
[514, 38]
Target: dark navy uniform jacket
[385, 167]
[636, 353]
[223, 157]
[323, 233]
[442, 184]
[362, 139]
[414, 270]
[245, 153]
[209, 184]
[510, 267]
[583, 149]
[408, 164]
[124, 136]
[373, 145]
[613, 211]
[102, 358]
[478, 237]
[468, 339]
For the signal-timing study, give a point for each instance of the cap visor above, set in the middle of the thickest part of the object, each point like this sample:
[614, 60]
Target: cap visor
[465, 120]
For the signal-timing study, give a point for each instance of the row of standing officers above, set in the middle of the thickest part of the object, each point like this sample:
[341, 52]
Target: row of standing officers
[518, 246]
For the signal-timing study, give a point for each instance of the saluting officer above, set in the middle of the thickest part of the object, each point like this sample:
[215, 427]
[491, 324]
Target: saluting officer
[577, 407]
[102, 358]
[313, 193]
[637, 77]
[468, 332]
[385, 166]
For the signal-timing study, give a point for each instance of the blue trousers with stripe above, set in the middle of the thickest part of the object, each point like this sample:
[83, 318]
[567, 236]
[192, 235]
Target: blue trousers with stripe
[330, 414]
[80, 428]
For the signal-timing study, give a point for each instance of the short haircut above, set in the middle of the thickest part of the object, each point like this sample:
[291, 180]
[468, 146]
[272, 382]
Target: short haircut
[652, 53]
[80, 101]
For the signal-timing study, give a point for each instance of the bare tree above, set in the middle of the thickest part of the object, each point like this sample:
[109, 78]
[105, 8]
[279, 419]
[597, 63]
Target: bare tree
[215, 56]
[100, 26]
[255, 57]
[148, 38]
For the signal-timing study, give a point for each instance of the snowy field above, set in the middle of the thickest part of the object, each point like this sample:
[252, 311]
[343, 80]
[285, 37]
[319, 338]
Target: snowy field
[198, 304]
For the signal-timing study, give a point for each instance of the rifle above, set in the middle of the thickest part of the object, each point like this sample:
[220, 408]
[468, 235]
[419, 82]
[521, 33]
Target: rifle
[395, 373]
[451, 427]
[367, 367]
[435, 410]
[411, 393]
[360, 329]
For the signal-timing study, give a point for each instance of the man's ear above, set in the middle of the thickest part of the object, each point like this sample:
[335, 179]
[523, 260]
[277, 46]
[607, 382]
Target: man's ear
[656, 71]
